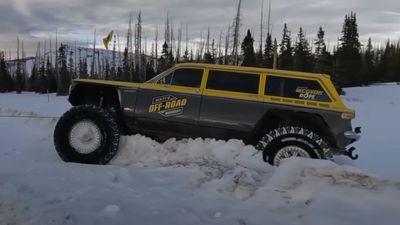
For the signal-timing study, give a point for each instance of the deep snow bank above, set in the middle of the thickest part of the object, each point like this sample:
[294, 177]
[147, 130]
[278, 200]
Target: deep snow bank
[195, 181]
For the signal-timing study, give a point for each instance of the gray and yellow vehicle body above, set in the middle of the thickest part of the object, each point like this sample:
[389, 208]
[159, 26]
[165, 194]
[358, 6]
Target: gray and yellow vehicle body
[163, 111]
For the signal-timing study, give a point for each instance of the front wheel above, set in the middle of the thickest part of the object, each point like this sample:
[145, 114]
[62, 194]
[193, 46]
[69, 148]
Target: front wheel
[292, 141]
[87, 134]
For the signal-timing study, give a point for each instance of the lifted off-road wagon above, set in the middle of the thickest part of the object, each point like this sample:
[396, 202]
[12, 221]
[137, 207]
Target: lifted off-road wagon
[282, 113]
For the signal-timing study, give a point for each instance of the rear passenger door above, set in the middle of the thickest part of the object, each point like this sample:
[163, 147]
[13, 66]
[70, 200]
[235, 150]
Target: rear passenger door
[231, 106]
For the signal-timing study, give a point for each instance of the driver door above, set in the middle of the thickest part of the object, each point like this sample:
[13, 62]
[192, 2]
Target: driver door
[172, 104]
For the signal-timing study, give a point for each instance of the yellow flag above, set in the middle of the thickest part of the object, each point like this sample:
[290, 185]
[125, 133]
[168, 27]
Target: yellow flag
[107, 39]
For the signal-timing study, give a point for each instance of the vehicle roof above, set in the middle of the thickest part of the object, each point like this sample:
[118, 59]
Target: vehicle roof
[250, 69]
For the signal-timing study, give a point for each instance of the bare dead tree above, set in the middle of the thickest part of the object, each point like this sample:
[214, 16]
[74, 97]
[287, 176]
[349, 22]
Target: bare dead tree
[186, 45]
[178, 49]
[113, 66]
[138, 46]
[201, 48]
[18, 75]
[56, 62]
[269, 17]
[208, 41]
[227, 41]
[172, 39]
[93, 71]
[99, 73]
[23, 64]
[261, 27]
[275, 54]
[167, 31]
[75, 62]
[129, 46]
[156, 49]
[219, 55]
[119, 52]
[50, 53]
[236, 34]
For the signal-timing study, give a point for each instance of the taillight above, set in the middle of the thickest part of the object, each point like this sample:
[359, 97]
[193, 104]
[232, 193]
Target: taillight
[348, 115]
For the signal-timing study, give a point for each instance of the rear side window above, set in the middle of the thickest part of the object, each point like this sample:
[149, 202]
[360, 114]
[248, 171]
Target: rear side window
[295, 88]
[231, 81]
[183, 77]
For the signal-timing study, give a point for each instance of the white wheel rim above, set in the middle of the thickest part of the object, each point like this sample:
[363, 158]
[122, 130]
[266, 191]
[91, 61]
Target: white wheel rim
[85, 137]
[288, 152]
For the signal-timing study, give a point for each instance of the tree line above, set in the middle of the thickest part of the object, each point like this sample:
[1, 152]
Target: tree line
[349, 63]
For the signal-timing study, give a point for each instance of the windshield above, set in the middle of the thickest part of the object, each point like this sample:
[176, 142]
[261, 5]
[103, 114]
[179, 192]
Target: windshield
[155, 79]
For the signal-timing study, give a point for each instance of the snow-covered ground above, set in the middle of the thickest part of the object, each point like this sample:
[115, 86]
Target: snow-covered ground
[197, 181]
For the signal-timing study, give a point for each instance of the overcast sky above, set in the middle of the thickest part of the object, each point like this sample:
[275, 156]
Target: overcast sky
[35, 20]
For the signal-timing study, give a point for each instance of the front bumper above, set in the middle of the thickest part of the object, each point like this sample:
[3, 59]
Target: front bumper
[353, 136]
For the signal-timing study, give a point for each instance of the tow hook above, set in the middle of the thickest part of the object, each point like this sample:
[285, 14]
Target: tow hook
[349, 153]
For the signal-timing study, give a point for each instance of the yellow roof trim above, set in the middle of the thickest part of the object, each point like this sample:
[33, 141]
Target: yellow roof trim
[250, 69]
[108, 82]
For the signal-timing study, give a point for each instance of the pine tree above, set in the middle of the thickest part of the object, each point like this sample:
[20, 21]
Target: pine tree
[33, 79]
[6, 82]
[41, 81]
[83, 71]
[323, 59]
[286, 50]
[63, 80]
[303, 60]
[349, 60]
[150, 73]
[107, 71]
[166, 59]
[209, 56]
[71, 65]
[368, 64]
[162, 62]
[249, 57]
[126, 67]
[19, 76]
[268, 59]
[51, 84]
[390, 63]
[396, 60]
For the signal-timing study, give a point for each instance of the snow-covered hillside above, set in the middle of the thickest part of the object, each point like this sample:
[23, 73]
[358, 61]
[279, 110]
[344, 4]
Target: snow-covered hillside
[197, 181]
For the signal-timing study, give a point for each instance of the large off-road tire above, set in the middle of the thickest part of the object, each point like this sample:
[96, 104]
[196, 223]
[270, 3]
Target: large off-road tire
[292, 141]
[87, 134]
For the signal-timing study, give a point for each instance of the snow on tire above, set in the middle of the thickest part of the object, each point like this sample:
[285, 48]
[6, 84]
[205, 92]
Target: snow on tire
[292, 141]
[87, 134]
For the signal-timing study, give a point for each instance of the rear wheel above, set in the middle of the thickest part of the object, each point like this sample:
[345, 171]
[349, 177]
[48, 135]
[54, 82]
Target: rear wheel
[292, 141]
[87, 134]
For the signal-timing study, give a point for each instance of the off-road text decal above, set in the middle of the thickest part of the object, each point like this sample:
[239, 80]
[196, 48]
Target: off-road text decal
[167, 105]
[308, 94]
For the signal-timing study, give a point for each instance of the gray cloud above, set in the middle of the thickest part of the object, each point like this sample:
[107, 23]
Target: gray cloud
[35, 20]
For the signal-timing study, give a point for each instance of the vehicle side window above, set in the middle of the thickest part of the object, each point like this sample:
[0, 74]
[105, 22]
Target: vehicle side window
[166, 80]
[187, 77]
[295, 88]
[231, 81]
[183, 77]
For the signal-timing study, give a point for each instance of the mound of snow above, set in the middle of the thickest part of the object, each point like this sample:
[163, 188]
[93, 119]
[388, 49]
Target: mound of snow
[140, 150]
